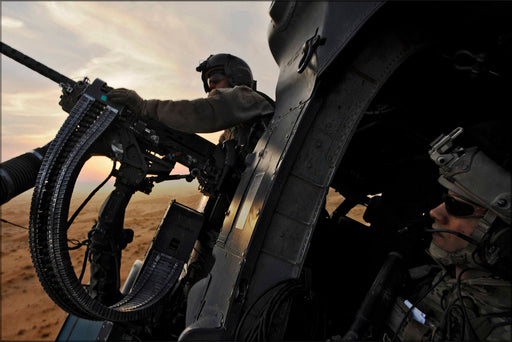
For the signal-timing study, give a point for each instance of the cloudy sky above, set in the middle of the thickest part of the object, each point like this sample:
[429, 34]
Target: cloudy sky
[151, 47]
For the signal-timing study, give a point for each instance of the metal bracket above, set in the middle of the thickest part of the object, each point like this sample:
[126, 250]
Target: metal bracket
[308, 48]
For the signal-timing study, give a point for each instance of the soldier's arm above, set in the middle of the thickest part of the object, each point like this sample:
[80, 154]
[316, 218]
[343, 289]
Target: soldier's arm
[223, 108]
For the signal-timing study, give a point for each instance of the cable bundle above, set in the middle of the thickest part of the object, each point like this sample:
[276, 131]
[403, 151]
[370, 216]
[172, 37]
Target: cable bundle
[277, 295]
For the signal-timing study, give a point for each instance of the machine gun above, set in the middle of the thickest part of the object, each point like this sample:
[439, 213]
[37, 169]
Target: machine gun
[146, 152]
[18, 174]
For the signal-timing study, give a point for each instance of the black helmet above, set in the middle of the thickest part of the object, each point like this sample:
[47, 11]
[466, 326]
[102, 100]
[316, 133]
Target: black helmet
[235, 69]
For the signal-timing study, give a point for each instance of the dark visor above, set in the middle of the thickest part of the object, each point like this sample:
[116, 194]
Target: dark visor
[458, 207]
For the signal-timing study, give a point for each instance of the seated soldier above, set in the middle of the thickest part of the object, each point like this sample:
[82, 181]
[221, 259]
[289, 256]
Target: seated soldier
[470, 298]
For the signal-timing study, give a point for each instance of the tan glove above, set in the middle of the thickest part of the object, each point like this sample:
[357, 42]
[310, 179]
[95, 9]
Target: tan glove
[127, 97]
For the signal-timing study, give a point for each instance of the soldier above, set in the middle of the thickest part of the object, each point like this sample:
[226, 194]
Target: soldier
[470, 298]
[233, 103]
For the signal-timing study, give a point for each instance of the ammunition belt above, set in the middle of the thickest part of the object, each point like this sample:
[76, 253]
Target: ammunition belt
[73, 145]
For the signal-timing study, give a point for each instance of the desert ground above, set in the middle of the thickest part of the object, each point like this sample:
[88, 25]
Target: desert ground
[27, 313]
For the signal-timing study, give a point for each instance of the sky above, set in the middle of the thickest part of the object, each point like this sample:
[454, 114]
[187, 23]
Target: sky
[151, 47]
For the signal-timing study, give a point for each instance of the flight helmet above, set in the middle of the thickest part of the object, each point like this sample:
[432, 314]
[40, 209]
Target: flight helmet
[235, 69]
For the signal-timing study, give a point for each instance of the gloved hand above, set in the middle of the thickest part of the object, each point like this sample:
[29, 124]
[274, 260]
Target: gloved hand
[127, 97]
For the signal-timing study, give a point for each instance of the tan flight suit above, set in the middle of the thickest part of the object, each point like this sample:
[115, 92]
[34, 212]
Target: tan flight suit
[222, 109]
[487, 300]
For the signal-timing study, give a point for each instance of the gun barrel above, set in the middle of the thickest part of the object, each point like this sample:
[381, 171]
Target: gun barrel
[35, 65]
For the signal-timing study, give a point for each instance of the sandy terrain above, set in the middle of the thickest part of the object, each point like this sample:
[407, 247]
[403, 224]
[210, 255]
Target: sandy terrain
[27, 313]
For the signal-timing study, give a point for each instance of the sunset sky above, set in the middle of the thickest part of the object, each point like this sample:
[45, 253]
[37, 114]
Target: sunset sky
[151, 47]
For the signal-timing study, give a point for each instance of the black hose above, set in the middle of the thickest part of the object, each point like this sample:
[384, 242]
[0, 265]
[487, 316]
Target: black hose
[19, 174]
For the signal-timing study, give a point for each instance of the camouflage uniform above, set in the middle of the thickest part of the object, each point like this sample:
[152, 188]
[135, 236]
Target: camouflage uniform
[222, 109]
[487, 302]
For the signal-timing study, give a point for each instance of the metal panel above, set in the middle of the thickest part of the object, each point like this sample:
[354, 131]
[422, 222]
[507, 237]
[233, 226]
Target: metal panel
[80, 329]
[298, 155]
[295, 22]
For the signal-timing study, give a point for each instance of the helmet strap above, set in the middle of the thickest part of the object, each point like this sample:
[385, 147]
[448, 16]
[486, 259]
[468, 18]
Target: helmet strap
[465, 257]
[484, 225]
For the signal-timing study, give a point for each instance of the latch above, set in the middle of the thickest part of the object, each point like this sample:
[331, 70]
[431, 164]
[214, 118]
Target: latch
[308, 49]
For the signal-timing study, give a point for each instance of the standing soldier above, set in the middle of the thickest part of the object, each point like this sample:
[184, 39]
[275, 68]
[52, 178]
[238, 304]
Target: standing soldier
[234, 105]
[232, 101]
